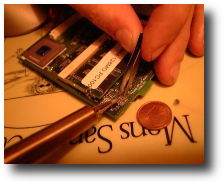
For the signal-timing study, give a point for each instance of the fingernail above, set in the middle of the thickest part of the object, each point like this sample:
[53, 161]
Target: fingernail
[175, 71]
[124, 37]
[157, 52]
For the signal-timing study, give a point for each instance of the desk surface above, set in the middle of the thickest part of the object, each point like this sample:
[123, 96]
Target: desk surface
[31, 102]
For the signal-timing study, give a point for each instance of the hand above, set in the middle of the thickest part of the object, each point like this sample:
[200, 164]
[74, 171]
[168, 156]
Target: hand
[168, 32]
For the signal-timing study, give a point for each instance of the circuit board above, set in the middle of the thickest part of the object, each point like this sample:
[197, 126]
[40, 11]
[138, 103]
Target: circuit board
[88, 63]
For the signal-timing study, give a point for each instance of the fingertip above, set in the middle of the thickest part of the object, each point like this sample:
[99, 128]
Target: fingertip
[167, 69]
[170, 77]
[127, 32]
[125, 38]
[196, 47]
[196, 41]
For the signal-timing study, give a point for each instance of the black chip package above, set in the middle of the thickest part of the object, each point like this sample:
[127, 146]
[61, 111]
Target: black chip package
[43, 52]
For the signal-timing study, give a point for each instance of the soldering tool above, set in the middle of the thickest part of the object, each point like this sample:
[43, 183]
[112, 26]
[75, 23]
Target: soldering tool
[47, 140]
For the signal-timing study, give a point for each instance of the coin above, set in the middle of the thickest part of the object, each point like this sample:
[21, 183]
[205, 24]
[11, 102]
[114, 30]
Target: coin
[154, 115]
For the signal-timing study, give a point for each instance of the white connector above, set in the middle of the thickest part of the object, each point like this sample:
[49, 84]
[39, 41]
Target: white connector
[56, 32]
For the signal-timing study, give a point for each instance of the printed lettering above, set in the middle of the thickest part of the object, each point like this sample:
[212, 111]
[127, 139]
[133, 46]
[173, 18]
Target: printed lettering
[120, 52]
[123, 130]
[94, 80]
[88, 135]
[108, 64]
[132, 131]
[170, 138]
[143, 133]
[105, 139]
[152, 132]
[76, 140]
[128, 128]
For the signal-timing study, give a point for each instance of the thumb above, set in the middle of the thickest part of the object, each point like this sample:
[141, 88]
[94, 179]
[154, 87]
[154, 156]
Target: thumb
[119, 21]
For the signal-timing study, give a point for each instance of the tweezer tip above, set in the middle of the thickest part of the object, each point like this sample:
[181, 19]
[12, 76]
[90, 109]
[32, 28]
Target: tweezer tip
[104, 106]
[131, 69]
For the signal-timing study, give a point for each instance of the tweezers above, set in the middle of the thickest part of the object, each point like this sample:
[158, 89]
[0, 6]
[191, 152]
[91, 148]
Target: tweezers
[131, 69]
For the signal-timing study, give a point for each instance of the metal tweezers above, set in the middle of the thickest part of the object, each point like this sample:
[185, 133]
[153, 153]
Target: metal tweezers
[131, 69]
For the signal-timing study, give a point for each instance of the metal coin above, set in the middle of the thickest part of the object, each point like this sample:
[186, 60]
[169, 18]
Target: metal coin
[154, 115]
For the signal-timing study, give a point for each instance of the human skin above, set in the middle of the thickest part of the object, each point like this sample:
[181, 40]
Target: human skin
[170, 29]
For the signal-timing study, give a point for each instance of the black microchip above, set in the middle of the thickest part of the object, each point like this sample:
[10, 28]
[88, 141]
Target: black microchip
[43, 50]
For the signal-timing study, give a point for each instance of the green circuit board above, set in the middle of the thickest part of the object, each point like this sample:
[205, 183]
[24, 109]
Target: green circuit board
[88, 63]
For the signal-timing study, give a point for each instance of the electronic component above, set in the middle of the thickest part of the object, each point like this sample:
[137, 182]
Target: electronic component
[43, 52]
[89, 64]
[56, 32]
